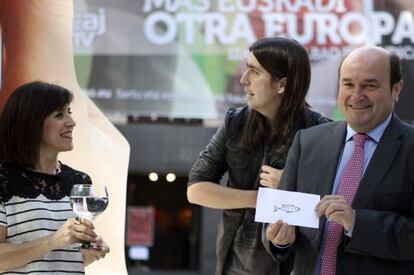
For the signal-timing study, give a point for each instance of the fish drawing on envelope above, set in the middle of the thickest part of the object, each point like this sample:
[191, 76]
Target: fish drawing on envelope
[288, 208]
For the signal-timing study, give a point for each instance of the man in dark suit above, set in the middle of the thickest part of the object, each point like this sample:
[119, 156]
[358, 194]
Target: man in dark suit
[375, 216]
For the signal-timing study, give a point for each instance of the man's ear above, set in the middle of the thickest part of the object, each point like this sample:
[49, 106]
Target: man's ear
[396, 89]
[282, 85]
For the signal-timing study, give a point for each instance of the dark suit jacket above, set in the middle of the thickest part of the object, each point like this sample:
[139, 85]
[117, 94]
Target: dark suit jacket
[383, 235]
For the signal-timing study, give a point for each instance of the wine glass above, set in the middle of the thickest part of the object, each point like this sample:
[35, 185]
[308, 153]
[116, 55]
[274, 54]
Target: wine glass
[88, 201]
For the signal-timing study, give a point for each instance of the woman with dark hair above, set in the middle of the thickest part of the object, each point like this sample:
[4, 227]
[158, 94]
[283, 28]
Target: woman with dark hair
[252, 147]
[37, 224]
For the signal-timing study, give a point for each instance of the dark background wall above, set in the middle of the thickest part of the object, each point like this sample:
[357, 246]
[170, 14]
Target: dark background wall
[163, 148]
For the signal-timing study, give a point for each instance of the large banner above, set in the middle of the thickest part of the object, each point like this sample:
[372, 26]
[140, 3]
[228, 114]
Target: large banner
[184, 58]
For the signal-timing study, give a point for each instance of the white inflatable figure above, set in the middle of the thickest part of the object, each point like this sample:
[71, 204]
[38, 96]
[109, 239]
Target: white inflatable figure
[37, 37]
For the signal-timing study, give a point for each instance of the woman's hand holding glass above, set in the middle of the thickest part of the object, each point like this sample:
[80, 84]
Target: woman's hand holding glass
[88, 201]
[74, 231]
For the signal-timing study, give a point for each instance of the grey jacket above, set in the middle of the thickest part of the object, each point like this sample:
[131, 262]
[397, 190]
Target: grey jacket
[239, 237]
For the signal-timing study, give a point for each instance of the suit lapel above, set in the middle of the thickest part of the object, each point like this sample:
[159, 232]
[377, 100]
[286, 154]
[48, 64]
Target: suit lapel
[331, 146]
[380, 163]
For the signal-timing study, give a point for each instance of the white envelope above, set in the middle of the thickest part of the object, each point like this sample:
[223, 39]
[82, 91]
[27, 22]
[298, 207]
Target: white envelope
[294, 208]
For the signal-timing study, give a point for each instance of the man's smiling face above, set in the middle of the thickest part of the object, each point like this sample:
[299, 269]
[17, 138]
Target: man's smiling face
[365, 97]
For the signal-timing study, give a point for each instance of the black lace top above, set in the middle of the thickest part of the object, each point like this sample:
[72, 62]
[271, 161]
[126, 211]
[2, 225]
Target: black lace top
[25, 183]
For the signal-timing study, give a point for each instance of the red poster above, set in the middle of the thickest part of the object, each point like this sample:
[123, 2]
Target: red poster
[140, 226]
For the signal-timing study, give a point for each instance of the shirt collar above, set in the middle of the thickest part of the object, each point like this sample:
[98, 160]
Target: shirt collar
[375, 134]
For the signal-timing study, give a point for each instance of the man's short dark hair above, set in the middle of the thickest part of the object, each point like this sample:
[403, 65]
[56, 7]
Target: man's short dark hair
[395, 69]
[22, 119]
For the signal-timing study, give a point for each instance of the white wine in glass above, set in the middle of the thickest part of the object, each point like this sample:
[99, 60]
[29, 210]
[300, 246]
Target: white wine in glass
[88, 201]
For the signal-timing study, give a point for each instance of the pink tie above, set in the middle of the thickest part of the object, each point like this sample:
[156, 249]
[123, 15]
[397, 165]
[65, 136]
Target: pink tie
[348, 184]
